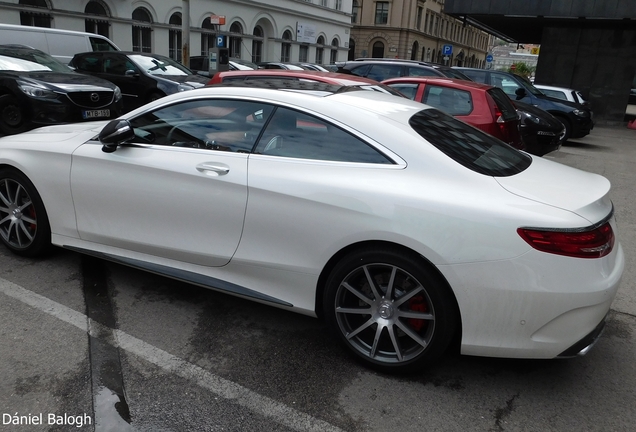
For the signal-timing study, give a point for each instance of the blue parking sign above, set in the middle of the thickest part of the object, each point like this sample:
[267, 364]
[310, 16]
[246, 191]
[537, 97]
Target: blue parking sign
[220, 41]
[447, 50]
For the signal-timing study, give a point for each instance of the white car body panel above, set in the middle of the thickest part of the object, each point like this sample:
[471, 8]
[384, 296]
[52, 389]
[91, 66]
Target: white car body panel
[271, 224]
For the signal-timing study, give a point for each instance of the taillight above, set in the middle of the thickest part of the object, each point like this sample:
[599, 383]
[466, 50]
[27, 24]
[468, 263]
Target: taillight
[592, 243]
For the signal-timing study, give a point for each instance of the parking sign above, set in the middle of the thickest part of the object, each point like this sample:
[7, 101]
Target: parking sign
[220, 41]
[447, 50]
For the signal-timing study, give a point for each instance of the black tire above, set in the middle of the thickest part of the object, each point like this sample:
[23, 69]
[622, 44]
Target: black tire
[24, 224]
[568, 128]
[409, 303]
[12, 117]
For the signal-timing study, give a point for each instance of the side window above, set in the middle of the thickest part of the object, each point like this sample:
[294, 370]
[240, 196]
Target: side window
[450, 100]
[380, 72]
[297, 135]
[212, 124]
[504, 82]
[554, 93]
[408, 90]
[117, 64]
[89, 63]
[421, 71]
[360, 70]
[475, 75]
[98, 44]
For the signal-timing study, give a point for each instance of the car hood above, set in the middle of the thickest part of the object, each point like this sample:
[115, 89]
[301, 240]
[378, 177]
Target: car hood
[192, 80]
[67, 82]
[79, 132]
[580, 192]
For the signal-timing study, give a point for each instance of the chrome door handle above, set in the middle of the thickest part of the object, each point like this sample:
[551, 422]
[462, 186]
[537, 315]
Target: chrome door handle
[212, 168]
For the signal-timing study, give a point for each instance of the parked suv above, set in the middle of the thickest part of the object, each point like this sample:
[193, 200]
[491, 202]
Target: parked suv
[38, 90]
[383, 69]
[577, 118]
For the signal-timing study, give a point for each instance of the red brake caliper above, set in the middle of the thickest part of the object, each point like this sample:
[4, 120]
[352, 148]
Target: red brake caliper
[417, 304]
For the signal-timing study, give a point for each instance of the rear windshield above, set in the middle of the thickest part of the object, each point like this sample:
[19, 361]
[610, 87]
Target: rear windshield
[508, 111]
[469, 146]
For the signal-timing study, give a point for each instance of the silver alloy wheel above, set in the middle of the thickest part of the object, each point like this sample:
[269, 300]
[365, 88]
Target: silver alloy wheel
[385, 313]
[18, 221]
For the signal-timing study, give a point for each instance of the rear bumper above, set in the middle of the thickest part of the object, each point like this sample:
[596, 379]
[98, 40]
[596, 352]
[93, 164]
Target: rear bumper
[583, 346]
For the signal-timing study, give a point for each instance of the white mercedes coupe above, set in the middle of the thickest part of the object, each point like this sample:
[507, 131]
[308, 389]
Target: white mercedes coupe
[405, 229]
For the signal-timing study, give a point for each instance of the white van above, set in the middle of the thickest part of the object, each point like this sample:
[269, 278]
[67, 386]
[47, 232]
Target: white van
[61, 44]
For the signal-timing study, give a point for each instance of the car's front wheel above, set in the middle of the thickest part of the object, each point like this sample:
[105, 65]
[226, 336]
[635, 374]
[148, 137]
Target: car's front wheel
[390, 308]
[12, 117]
[24, 225]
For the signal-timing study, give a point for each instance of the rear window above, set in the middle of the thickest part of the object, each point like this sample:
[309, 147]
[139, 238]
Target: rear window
[469, 146]
[450, 100]
[508, 111]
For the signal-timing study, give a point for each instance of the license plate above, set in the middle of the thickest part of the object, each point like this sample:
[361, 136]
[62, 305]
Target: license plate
[96, 114]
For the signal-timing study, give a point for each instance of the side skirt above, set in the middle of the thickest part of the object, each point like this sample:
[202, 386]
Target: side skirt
[185, 276]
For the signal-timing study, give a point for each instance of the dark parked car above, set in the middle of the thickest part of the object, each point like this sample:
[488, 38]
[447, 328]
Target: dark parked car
[577, 119]
[541, 132]
[142, 77]
[483, 106]
[37, 90]
[382, 69]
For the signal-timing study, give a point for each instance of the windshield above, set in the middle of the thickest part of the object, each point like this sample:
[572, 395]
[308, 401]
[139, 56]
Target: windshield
[156, 65]
[27, 60]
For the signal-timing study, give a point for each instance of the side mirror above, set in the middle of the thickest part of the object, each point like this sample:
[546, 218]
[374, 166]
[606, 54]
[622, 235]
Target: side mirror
[131, 73]
[115, 133]
[520, 92]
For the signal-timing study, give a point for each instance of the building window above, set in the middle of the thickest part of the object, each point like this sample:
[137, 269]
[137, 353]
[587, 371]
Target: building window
[257, 45]
[303, 54]
[320, 51]
[352, 50]
[141, 30]
[235, 39]
[285, 51]
[378, 50]
[338, 4]
[96, 25]
[174, 41]
[334, 51]
[323, 3]
[35, 19]
[382, 12]
[420, 10]
[414, 49]
[354, 11]
[208, 36]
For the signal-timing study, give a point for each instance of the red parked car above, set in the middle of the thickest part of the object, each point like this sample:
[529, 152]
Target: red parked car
[301, 75]
[485, 107]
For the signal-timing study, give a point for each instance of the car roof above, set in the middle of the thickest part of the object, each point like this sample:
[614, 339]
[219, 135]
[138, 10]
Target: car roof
[450, 82]
[326, 77]
[542, 86]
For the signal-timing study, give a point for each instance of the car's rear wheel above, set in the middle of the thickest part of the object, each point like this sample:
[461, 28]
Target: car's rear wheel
[568, 128]
[390, 308]
[12, 117]
[24, 225]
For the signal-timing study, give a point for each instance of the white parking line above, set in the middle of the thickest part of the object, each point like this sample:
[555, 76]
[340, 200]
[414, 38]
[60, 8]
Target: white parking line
[226, 389]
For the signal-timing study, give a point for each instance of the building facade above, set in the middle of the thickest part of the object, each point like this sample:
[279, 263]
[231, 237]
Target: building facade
[415, 30]
[315, 31]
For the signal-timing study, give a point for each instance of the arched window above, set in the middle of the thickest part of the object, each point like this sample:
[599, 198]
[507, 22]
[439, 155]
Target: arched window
[97, 25]
[208, 36]
[320, 51]
[174, 42]
[285, 51]
[235, 39]
[33, 18]
[414, 50]
[378, 50]
[334, 51]
[141, 30]
[352, 50]
[257, 45]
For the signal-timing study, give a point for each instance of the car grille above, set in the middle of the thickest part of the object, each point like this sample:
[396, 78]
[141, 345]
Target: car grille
[91, 99]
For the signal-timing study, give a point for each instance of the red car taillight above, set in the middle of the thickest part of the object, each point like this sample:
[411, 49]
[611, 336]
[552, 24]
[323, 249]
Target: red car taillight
[593, 243]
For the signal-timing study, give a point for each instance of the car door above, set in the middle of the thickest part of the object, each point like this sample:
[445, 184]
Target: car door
[510, 86]
[179, 191]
